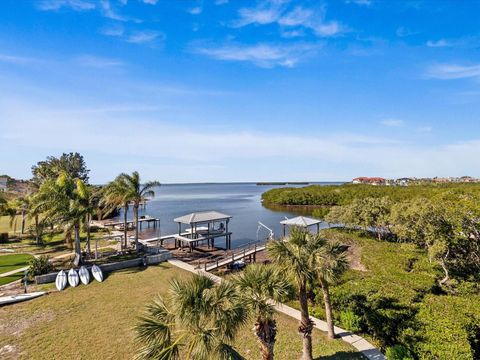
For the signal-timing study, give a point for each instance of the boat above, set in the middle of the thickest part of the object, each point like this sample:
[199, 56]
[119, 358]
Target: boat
[11, 299]
[97, 273]
[84, 275]
[73, 278]
[61, 280]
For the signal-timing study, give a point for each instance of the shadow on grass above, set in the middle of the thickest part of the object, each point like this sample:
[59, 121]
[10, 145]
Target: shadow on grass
[343, 355]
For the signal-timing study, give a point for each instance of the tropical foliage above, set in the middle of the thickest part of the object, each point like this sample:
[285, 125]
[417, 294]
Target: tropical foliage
[260, 287]
[197, 320]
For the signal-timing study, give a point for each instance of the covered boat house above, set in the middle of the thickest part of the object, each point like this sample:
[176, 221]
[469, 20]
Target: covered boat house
[204, 226]
[300, 221]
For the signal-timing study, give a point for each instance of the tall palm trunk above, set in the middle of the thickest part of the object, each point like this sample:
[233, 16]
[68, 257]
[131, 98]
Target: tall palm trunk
[125, 230]
[135, 215]
[37, 230]
[88, 234]
[266, 332]
[78, 250]
[306, 326]
[22, 229]
[328, 309]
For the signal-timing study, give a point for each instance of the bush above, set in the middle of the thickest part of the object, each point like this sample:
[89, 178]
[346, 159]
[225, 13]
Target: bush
[350, 321]
[3, 238]
[40, 266]
[398, 352]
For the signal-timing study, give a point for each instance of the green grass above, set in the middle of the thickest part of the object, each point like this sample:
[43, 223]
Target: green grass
[97, 321]
[13, 261]
[8, 279]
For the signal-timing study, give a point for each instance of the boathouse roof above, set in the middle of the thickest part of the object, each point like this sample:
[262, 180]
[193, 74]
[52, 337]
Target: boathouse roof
[202, 217]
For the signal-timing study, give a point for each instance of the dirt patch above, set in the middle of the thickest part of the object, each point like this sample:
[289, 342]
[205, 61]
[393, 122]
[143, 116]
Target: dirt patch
[17, 325]
[9, 352]
[354, 255]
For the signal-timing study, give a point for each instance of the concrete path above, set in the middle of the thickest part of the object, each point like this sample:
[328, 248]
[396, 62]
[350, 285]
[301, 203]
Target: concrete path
[359, 343]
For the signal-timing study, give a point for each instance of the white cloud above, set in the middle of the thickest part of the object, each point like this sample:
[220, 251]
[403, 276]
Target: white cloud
[77, 5]
[97, 62]
[145, 36]
[360, 2]
[404, 32]
[263, 55]
[439, 43]
[150, 2]
[392, 122]
[98, 133]
[276, 11]
[14, 59]
[115, 30]
[453, 71]
[196, 10]
[109, 11]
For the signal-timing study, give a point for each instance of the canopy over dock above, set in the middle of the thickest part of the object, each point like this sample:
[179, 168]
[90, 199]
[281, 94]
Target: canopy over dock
[202, 217]
[214, 224]
[301, 221]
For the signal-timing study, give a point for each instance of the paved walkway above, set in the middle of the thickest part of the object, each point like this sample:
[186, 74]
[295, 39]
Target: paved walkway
[359, 343]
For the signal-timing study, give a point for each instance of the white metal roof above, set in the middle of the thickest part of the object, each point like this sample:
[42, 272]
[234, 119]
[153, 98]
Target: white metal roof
[300, 221]
[199, 217]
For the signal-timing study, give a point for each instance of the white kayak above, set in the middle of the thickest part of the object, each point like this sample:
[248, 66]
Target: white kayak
[84, 275]
[97, 273]
[4, 300]
[73, 278]
[61, 280]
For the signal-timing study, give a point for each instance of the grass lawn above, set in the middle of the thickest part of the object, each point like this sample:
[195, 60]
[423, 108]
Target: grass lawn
[8, 279]
[96, 321]
[13, 261]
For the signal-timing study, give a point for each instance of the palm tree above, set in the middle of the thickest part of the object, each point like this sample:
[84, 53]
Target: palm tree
[260, 287]
[197, 320]
[128, 189]
[115, 196]
[296, 255]
[331, 262]
[61, 201]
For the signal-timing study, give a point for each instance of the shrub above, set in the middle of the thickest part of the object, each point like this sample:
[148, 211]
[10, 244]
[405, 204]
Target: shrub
[350, 321]
[398, 352]
[3, 238]
[40, 266]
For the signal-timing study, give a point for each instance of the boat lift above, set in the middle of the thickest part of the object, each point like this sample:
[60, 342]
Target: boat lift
[271, 235]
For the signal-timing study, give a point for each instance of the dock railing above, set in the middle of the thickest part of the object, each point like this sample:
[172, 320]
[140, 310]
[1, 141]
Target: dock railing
[216, 261]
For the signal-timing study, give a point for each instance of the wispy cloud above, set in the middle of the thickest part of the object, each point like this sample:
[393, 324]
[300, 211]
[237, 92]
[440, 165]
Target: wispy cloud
[392, 122]
[278, 12]
[221, 2]
[109, 11]
[453, 71]
[150, 2]
[77, 5]
[360, 2]
[14, 59]
[145, 36]
[114, 30]
[196, 10]
[439, 43]
[402, 31]
[263, 55]
[97, 61]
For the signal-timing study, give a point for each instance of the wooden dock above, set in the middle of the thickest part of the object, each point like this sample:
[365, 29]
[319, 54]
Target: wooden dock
[251, 251]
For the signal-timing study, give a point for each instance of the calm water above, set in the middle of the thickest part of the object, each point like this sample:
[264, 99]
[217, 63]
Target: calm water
[241, 201]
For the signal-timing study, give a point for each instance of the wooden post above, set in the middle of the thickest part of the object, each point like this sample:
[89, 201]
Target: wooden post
[284, 230]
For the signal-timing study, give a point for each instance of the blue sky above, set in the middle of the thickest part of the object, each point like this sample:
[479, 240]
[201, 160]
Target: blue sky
[223, 90]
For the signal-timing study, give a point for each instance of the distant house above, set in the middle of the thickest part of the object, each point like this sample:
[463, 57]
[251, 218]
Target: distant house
[370, 181]
[3, 183]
